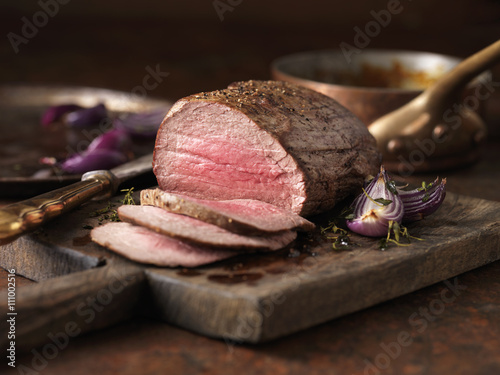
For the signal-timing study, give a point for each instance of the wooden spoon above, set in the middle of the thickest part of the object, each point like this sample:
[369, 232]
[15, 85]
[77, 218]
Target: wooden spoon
[438, 129]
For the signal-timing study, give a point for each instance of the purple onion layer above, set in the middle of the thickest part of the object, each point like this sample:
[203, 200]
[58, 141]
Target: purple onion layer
[142, 125]
[86, 116]
[419, 203]
[107, 151]
[97, 159]
[115, 139]
[55, 113]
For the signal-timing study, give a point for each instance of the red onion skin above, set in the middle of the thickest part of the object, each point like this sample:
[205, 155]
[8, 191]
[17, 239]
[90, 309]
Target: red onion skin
[86, 116]
[110, 149]
[115, 139]
[416, 209]
[141, 125]
[56, 112]
[105, 152]
[97, 159]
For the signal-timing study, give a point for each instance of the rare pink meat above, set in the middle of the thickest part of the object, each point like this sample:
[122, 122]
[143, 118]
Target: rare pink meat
[264, 140]
[238, 215]
[195, 231]
[146, 246]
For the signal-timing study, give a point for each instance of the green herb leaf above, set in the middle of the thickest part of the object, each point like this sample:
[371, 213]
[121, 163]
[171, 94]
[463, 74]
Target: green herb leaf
[383, 201]
[128, 199]
[347, 213]
[425, 186]
[382, 244]
[394, 233]
[379, 201]
[391, 186]
[395, 229]
[332, 227]
[114, 216]
[342, 242]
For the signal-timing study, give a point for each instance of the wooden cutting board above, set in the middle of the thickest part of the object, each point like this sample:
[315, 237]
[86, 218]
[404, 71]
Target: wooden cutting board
[250, 298]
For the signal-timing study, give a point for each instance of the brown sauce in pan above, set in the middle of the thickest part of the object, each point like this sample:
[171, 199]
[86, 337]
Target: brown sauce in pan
[397, 76]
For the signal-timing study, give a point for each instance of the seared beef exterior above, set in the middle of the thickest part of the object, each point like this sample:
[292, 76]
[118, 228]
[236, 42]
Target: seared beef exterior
[195, 231]
[271, 141]
[245, 216]
[146, 246]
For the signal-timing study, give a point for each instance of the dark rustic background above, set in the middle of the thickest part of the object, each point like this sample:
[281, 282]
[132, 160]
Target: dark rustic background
[110, 43]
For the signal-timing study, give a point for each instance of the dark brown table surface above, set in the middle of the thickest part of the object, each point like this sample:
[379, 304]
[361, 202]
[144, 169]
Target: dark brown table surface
[420, 333]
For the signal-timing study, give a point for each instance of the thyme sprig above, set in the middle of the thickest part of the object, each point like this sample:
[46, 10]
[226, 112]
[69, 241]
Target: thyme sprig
[395, 233]
[341, 236]
[425, 186]
[128, 198]
[106, 213]
[109, 213]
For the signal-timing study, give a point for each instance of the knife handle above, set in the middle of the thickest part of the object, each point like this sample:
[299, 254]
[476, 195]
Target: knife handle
[21, 217]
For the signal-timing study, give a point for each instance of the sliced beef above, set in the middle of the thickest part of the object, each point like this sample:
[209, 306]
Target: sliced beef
[270, 141]
[192, 230]
[146, 246]
[245, 216]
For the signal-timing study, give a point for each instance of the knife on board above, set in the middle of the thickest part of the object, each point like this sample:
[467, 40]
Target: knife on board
[25, 216]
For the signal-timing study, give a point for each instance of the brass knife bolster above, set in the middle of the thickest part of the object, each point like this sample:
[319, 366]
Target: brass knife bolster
[25, 216]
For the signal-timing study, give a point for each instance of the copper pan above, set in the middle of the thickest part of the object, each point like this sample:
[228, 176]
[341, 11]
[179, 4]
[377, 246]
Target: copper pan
[374, 83]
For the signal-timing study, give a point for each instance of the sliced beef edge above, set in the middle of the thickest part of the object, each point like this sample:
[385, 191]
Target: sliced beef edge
[195, 231]
[145, 246]
[243, 216]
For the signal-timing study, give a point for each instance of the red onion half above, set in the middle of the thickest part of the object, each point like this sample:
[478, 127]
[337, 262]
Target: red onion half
[376, 207]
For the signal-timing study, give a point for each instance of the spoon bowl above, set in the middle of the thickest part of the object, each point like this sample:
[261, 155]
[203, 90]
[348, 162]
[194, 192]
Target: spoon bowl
[438, 129]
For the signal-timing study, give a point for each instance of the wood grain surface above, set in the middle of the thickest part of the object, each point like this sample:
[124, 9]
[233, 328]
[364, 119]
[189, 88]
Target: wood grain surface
[250, 298]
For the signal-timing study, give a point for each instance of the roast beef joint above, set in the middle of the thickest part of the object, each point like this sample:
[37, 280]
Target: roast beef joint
[239, 169]
[271, 141]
